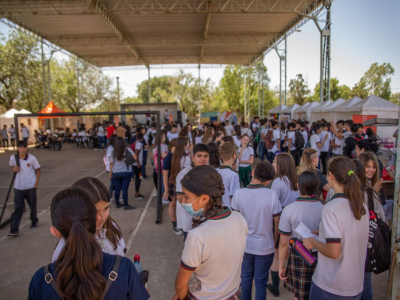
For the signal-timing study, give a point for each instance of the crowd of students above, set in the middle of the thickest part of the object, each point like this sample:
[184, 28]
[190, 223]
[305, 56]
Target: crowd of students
[238, 221]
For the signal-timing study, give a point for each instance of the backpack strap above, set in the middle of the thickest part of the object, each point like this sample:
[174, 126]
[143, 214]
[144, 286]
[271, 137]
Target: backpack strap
[50, 280]
[113, 275]
[16, 156]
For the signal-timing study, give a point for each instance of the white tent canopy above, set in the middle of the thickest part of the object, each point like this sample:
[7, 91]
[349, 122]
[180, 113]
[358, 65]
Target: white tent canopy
[298, 111]
[31, 122]
[326, 112]
[374, 104]
[315, 112]
[9, 113]
[277, 110]
[305, 112]
[290, 110]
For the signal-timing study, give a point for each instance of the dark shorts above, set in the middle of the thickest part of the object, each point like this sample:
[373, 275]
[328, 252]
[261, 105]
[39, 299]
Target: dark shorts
[236, 296]
[171, 191]
[299, 276]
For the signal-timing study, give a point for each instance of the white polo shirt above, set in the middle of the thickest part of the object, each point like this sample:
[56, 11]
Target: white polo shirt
[198, 139]
[214, 252]
[281, 186]
[307, 210]
[109, 152]
[183, 218]
[325, 146]
[305, 137]
[258, 206]
[26, 177]
[25, 132]
[236, 140]
[231, 183]
[229, 129]
[338, 150]
[276, 136]
[292, 136]
[12, 133]
[247, 152]
[343, 276]
[247, 131]
[172, 136]
[139, 147]
[314, 139]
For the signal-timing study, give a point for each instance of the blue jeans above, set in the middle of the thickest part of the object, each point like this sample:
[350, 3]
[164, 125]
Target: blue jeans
[255, 267]
[143, 166]
[271, 157]
[112, 187]
[317, 293]
[102, 140]
[367, 292]
[121, 182]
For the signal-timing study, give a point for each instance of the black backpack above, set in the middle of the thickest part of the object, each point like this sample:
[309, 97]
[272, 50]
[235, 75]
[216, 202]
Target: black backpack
[299, 140]
[129, 159]
[378, 248]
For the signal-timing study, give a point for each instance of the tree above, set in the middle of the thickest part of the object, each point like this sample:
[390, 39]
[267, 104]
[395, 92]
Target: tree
[375, 81]
[17, 58]
[160, 90]
[298, 90]
[395, 98]
[336, 91]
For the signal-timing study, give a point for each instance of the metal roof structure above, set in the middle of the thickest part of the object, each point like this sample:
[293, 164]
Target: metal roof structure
[144, 32]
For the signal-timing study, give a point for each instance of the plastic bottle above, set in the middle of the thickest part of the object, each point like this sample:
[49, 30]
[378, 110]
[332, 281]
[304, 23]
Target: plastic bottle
[136, 263]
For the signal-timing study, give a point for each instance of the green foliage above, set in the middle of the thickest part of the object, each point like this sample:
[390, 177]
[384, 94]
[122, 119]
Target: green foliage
[160, 90]
[298, 90]
[375, 81]
[337, 91]
[395, 98]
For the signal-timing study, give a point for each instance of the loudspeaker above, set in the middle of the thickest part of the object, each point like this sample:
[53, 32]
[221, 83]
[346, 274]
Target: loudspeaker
[179, 116]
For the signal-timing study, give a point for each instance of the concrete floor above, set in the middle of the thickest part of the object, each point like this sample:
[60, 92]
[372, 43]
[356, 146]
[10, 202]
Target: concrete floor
[160, 249]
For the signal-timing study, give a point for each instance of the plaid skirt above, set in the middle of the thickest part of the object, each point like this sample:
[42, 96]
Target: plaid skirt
[171, 191]
[245, 175]
[236, 296]
[299, 276]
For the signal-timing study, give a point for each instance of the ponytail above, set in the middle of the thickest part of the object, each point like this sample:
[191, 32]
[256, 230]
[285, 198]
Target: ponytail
[79, 264]
[342, 168]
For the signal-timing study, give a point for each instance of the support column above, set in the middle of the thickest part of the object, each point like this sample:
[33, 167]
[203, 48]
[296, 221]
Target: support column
[44, 76]
[282, 72]
[148, 84]
[199, 97]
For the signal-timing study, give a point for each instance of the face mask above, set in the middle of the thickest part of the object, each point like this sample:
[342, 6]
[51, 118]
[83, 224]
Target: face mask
[189, 209]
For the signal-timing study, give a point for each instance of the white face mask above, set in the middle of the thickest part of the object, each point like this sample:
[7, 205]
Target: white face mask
[189, 209]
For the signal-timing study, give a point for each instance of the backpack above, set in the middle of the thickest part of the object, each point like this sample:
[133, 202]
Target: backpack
[353, 153]
[151, 138]
[299, 140]
[258, 135]
[378, 248]
[269, 139]
[129, 159]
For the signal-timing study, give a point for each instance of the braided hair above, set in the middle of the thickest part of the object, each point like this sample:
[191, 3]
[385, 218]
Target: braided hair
[205, 180]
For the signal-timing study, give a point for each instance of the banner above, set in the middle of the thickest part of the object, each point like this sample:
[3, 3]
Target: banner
[362, 119]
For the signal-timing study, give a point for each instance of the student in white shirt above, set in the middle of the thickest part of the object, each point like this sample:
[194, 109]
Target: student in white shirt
[285, 186]
[200, 157]
[173, 133]
[166, 117]
[307, 209]
[214, 248]
[325, 135]
[261, 209]
[292, 142]
[237, 135]
[108, 233]
[246, 158]
[304, 134]
[228, 153]
[316, 143]
[137, 166]
[337, 143]
[25, 133]
[25, 186]
[11, 131]
[109, 153]
[228, 128]
[343, 237]
[246, 130]
[276, 138]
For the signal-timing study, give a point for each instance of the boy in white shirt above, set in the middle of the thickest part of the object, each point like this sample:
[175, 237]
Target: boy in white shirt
[200, 157]
[276, 138]
[325, 135]
[173, 134]
[304, 134]
[228, 153]
[261, 209]
[337, 143]
[291, 142]
[11, 131]
[26, 183]
[228, 127]
[316, 143]
[25, 133]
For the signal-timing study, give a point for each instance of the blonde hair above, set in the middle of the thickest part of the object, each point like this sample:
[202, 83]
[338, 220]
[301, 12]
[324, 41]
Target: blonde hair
[306, 162]
[226, 150]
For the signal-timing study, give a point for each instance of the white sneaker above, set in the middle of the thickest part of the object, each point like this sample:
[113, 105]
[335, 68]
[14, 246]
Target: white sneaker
[155, 194]
[178, 231]
[111, 200]
[165, 201]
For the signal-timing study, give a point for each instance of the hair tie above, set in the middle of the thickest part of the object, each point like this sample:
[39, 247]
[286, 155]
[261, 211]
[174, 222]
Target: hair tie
[350, 172]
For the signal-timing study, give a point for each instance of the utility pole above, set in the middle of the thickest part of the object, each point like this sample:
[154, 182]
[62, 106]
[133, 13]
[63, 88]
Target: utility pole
[148, 85]
[119, 101]
[199, 97]
[44, 76]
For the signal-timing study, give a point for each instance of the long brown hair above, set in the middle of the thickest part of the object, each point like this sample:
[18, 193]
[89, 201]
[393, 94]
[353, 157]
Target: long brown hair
[340, 167]
[359, 170]
[208, 135]
[306, 162]
[97, 192]
[365, 158]
[215, 159]
[179, 152]
[78, 266]
[205, 180]
[238, 131]
[287, 167]
[119, 148]
[184, 132]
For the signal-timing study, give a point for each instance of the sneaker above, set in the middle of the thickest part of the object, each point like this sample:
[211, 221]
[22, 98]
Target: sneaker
[178, 231]
[111, 200]
[155, 194]
[133, 179]
[272, 290]
[128, 207]
[33, 226]
[118, 205]
[13, 233]
[165, 201]
[139, 197]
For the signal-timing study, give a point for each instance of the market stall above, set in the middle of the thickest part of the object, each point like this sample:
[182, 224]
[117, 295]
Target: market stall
[298, 112]
[276, 111]
[341, 112]
[288, 113]
[326, 112]
[316, 113]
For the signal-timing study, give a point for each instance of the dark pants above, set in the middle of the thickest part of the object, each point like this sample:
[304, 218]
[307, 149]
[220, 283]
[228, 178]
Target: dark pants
[367, 291]
[317, 293]
[324, 159]
[19, 198]
[255, 146]
[143, 167]
[121, 182]
[102, 140]
[26, 140]
[12, 142]
[136, 172]
[296, 156]
[112, 187]
[255, 267]
[4, 143]
[271, 157]
[155, 177]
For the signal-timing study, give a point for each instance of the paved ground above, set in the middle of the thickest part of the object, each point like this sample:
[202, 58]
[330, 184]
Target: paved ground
[158, 246]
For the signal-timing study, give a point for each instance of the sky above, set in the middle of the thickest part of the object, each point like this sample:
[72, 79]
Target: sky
[363, 32]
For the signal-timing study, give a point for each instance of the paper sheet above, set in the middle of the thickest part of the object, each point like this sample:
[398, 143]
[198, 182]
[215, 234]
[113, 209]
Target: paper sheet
[304, 231]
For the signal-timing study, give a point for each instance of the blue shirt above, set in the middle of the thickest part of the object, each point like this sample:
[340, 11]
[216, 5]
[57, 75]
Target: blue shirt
[128, 284]
[167, 163]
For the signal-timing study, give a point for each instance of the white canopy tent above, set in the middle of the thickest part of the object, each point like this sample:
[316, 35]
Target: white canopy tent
[32, 123]
[277, 110]
[316, 113]
[305, 113]
[298, 111]
[289, 111]
[341, 112]
[326, 112]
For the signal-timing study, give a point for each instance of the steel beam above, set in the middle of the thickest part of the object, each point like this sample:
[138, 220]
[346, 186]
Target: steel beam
[102, 10]
[207, 26]
[282, 53]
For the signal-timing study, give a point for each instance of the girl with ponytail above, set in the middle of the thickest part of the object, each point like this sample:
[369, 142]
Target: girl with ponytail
[108, 233]
[343, 236]
[215, 246]
[81, 270]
